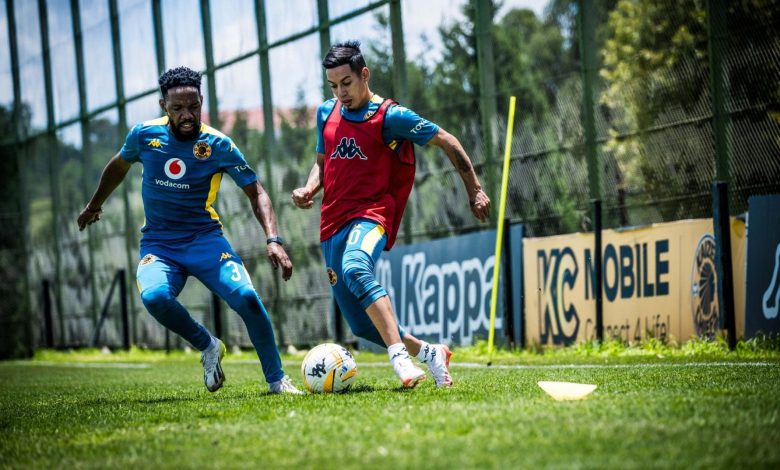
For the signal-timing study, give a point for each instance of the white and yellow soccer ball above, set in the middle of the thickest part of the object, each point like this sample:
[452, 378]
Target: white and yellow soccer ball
[328, 368]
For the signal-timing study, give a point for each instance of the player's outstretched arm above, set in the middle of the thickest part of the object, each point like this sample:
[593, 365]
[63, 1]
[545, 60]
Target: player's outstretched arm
[304, 197]
[478, 200]
[264, 213]
[113, 174]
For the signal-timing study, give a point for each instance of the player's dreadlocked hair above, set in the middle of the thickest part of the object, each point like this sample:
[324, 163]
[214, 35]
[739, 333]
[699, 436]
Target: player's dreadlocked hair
[347, 52]
[179, 76]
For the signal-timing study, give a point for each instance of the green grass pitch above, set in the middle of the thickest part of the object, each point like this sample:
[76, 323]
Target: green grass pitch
[149, 410]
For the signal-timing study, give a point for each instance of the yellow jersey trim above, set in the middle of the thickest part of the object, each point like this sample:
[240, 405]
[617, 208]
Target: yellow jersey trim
[215, 181]
[163, 121]
[210, 130]
[372, 238]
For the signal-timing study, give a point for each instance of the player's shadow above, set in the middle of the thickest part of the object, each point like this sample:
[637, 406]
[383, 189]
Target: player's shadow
[141, 400]
[165, 399]
[361, 388]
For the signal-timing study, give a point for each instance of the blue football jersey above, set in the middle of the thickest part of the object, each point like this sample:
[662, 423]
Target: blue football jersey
[400, 123]
[181, 178]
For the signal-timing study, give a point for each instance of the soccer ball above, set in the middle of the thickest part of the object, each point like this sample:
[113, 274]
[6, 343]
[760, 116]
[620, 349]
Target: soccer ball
[328, 368]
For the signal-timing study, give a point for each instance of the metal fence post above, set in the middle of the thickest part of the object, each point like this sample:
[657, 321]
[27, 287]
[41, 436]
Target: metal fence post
[47, 316]
[487, 92]
[323, 19]
[723, 262]
[716, 35]
[587, 33]
[205, 17]
[509, 324]
[597, 264]
[123, 308]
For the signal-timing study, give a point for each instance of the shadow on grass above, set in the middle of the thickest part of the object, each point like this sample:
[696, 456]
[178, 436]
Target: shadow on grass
[362, 388]
[142, 400]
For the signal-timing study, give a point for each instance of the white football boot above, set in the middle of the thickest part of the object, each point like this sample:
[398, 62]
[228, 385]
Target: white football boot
[409, 373]
[211, 359]
[438, 360]
[284, 386]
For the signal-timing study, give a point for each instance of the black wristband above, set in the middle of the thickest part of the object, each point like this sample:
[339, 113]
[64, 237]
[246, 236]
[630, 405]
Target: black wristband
[276, 239]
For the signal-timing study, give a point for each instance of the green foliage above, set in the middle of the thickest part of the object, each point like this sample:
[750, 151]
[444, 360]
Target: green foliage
[654, 64]
[652, 349]
[533, 62]
[248, 140]
[297, 141]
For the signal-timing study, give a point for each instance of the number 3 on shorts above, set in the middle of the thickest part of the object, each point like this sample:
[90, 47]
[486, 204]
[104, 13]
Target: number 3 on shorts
[236, 271]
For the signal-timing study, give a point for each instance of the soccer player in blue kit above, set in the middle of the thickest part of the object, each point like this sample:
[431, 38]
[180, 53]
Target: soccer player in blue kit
[183, 162]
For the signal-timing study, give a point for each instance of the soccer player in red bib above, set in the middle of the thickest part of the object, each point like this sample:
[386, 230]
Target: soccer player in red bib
[365, 165]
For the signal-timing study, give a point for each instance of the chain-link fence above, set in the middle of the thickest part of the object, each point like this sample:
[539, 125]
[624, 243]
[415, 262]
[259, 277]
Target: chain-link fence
[81, 80]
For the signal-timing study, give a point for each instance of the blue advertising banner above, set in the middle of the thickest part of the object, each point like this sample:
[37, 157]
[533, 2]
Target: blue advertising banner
[763, 266]
[441, 289]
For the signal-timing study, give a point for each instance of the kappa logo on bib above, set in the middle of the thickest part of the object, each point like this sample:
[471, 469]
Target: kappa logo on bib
[347, 148]
[175, 168]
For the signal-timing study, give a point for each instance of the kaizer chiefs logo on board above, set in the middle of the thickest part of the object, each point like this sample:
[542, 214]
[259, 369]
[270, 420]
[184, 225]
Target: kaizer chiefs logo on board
[201, 150]
[332, 276]
[704, 288]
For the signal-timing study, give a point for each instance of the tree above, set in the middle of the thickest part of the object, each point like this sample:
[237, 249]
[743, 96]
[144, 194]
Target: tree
[535, 64]
[655, 63]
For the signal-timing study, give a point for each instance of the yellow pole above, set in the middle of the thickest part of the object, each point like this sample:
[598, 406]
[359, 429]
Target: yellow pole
[500, 229]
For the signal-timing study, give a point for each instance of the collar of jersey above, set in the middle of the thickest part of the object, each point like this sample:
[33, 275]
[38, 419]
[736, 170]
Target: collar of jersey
[357, 115]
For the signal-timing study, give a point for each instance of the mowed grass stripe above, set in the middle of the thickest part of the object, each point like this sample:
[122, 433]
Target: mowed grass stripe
[471, 365]
[697, 416]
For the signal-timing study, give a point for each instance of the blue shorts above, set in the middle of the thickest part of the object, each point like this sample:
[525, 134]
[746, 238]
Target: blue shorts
[163, 271]
[355, 250]
[210, 258]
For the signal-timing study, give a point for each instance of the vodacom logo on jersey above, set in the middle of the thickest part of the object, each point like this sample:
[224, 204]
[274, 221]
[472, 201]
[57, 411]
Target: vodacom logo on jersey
[175, 168]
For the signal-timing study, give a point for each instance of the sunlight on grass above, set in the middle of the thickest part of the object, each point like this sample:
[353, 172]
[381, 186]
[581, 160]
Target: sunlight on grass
[653, 350]
[718, 412]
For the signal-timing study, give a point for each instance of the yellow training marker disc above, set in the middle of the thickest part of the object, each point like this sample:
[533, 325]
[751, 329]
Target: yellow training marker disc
[567, 390]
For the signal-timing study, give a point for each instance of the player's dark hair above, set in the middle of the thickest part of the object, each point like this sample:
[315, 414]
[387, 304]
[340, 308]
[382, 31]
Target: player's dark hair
[179, 76]
[347, 52]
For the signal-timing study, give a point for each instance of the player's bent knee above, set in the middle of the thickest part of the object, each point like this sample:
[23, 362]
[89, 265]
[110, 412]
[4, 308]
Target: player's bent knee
[362, 283]
[158, 299]
[245, 300]
[357, 278]
[160, 302]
